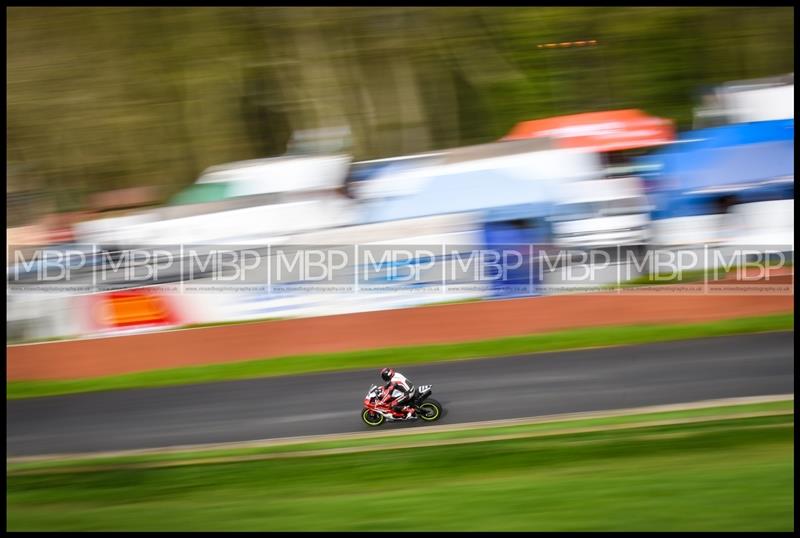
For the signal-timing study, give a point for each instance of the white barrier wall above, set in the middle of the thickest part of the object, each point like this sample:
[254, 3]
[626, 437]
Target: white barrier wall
[757, 223]
[770, 222]
[40, 316]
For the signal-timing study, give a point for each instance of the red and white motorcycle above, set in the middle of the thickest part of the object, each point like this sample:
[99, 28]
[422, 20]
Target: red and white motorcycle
[377, 409]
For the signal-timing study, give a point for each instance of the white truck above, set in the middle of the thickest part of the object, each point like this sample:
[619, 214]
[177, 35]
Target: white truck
[747, 101]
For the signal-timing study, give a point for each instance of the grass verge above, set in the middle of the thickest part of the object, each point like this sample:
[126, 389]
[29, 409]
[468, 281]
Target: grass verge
[404, 356]
[685, 277]
[710, 274]
[723, 471]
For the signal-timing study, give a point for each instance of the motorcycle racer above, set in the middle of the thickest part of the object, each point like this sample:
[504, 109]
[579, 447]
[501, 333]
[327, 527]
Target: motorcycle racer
[395, 381]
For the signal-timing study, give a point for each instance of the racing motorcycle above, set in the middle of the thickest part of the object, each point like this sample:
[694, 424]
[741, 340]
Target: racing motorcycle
[376, 413]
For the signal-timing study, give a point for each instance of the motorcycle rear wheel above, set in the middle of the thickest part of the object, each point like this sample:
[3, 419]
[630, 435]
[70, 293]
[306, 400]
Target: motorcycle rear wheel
[372, 418]
[431, 410]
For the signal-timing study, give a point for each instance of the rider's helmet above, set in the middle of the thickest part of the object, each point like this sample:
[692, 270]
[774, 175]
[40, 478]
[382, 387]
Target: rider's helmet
[387, 374]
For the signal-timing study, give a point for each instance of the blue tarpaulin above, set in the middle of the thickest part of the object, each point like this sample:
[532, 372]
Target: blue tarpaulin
[751, 161]
[519, 237]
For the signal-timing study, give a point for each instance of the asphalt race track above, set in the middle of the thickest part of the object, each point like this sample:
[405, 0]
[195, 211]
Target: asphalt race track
[487, 389]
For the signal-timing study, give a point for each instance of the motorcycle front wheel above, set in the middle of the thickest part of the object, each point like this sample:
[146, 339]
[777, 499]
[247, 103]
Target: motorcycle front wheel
[372, 418]
[430, 410]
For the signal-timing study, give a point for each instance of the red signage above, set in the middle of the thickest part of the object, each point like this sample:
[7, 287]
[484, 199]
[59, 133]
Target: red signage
[131, 309]
[613, 130]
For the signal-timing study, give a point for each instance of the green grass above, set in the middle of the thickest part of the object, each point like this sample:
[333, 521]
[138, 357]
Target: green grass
[692, 276]
[734, 474]
[403, 356]
[18, 341]
[226, 323]
[685, 277]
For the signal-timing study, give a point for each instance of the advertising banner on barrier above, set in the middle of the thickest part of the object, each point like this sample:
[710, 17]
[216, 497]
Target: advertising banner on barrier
[129, 310]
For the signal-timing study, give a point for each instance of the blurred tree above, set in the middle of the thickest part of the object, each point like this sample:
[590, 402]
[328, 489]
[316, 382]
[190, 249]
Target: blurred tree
[102, 98]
